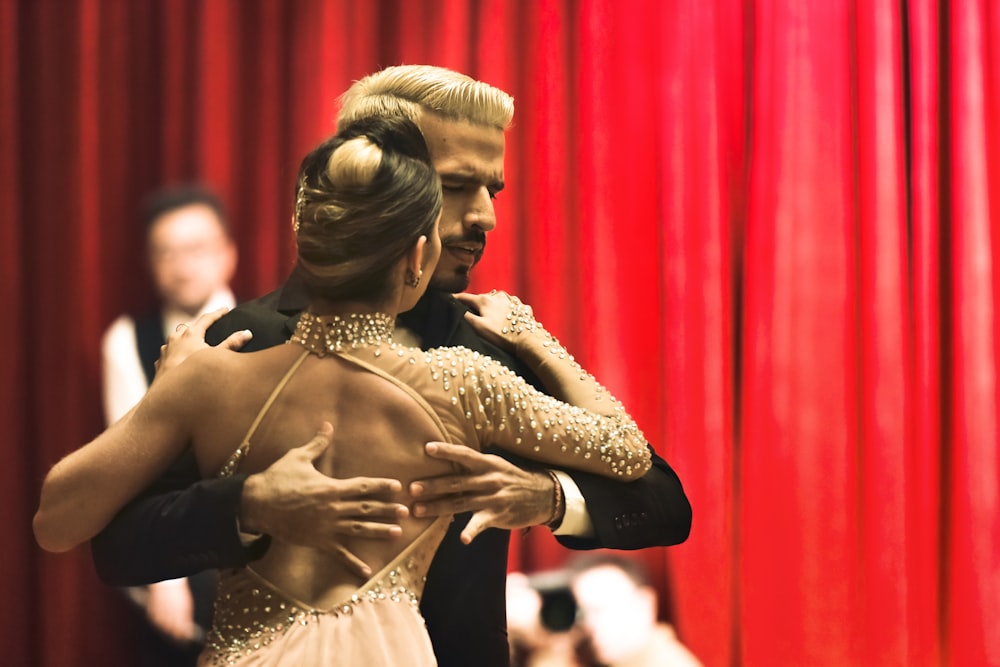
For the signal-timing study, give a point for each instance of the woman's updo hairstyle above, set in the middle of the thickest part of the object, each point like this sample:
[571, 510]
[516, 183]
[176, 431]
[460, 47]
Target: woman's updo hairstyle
[364, 198]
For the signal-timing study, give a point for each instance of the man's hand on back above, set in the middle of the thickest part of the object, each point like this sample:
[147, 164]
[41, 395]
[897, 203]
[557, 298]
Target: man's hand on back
[294, 502]
[499, 494]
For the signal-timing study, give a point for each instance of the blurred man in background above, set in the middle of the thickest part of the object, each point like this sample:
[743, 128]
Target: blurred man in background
[600, 611]
[617, 612]
[192, 259]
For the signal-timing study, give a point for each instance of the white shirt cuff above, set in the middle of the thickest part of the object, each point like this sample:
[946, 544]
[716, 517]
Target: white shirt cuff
[246, 539]
[576, 521]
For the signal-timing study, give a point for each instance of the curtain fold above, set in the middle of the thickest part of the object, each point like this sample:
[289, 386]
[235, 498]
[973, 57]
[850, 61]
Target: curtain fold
[926, 389]
[700, 165]
[800, 406]
[768, 227]
[19, 499]
[883, 333]
[971, 466]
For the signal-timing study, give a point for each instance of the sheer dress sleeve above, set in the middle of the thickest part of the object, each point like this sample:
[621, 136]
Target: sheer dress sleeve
[490, 404]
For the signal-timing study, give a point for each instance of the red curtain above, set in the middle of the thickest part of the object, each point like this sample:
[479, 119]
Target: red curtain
[769, 227]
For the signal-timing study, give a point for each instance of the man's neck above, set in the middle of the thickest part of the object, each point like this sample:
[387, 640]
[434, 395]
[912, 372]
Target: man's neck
[431, 319]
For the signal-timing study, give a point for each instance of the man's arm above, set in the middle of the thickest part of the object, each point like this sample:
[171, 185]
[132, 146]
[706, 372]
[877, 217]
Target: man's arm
[651, 511]
[505, 491]
[179, 526]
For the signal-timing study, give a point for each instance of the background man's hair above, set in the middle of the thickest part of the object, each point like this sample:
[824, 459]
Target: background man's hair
[632, 568]
[168, 199]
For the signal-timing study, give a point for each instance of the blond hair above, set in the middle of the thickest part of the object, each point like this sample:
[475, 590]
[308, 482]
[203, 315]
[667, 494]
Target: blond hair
[411, 90]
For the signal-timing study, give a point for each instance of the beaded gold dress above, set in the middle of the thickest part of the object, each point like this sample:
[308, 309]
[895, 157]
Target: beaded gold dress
[474, 400]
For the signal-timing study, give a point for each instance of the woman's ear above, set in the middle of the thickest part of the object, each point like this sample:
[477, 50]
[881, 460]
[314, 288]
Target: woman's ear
[415, 258]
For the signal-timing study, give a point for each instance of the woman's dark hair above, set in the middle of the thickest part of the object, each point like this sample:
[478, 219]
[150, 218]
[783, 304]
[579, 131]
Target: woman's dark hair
[364, 198]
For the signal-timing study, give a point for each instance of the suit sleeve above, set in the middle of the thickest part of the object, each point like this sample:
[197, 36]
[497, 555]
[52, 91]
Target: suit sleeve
[183, 524]
[651, 511]
[179, 526]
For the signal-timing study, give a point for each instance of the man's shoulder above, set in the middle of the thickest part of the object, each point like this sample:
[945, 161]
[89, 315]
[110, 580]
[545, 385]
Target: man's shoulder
[261, 316]
[269, 301]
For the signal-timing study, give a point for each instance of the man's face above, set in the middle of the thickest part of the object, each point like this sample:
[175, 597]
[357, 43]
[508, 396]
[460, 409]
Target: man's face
[469, 159]
[190, 256]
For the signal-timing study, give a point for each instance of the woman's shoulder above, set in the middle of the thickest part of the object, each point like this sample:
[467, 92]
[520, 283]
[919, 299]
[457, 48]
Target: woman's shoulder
[457, 367]
[470, 360]
[451, 356]
[218, 364]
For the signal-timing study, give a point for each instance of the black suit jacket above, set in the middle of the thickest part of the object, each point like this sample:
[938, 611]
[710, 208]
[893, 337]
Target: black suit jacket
[184, 524]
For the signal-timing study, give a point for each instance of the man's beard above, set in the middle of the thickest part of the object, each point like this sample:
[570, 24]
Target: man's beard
[456, 281]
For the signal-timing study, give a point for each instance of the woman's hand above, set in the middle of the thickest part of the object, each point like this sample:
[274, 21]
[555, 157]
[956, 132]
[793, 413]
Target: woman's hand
[187, 339]
[499, 317]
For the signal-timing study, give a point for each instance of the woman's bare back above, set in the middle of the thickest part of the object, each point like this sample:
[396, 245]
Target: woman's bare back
[379, 430]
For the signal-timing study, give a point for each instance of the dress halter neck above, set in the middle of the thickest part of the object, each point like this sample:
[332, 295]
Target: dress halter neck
[325, 334]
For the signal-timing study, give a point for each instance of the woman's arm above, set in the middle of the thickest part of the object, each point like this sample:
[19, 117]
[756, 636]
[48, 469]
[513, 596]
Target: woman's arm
[510, 324]
[580, 426]
[83, 491]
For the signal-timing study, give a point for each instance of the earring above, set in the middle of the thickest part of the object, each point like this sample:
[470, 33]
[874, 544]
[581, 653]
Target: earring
[411, 279]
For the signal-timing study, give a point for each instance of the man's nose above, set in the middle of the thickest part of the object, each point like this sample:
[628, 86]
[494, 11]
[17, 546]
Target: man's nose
[481, 214]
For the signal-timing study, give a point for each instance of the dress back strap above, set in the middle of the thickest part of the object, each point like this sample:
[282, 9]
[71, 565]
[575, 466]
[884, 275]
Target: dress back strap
[233, 462]
[407, 389]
